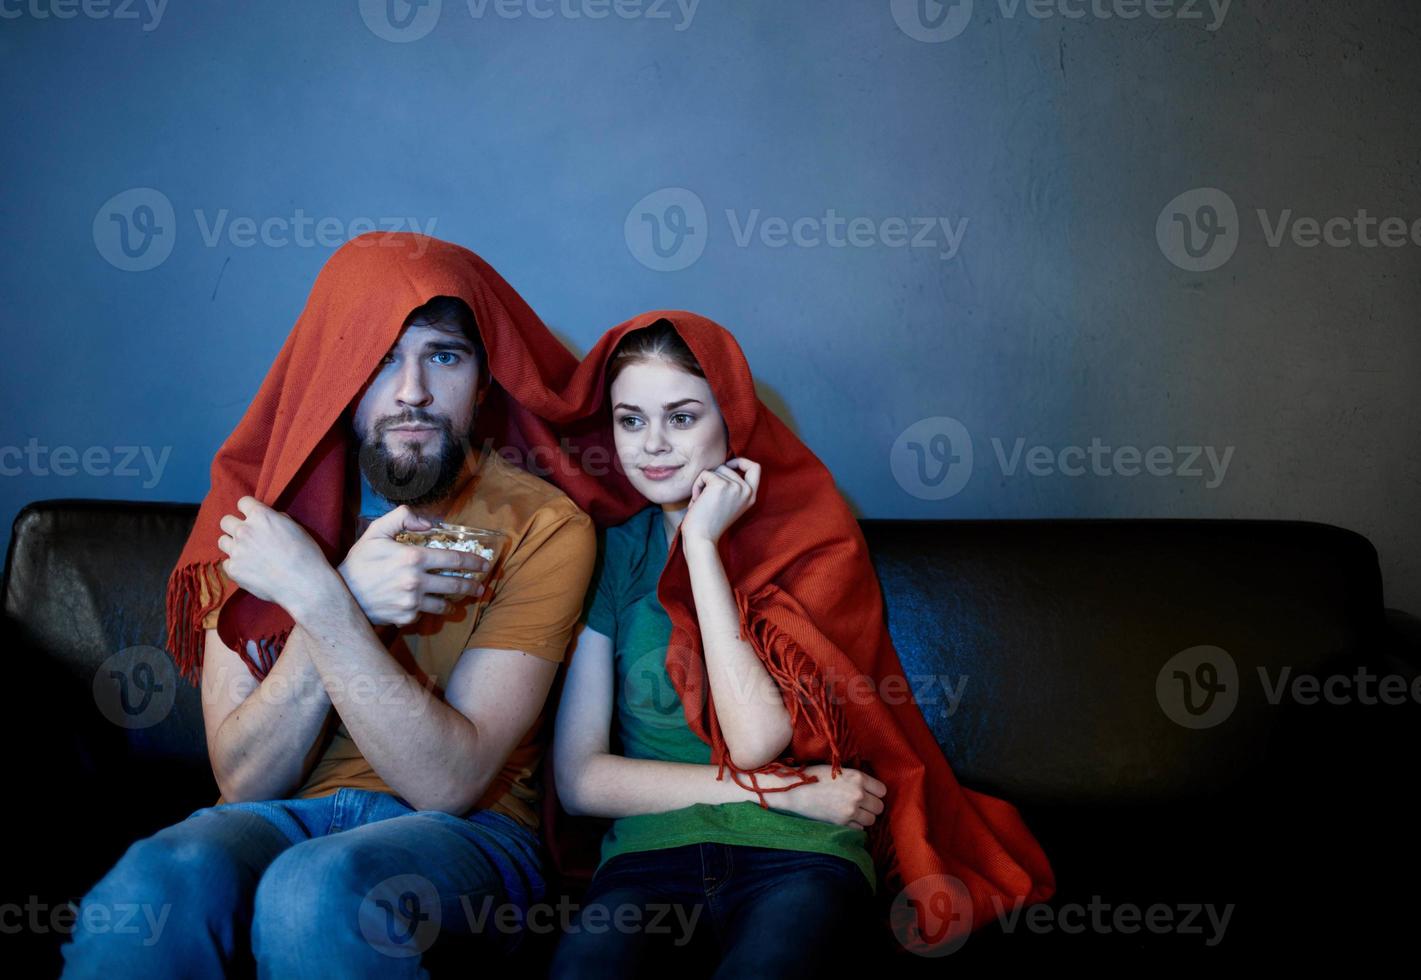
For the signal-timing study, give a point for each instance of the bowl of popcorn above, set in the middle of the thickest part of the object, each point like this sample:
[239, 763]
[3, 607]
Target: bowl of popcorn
[480, 541]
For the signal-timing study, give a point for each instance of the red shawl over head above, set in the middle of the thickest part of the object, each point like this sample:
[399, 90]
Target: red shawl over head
[811, 606]
[289, 450]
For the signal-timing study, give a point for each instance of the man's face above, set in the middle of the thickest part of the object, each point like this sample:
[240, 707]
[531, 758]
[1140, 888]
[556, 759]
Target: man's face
[414, 417]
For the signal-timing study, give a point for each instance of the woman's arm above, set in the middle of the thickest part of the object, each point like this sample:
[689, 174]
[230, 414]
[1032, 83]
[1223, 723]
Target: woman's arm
[748, 704]
[753, 718]
[593, 782]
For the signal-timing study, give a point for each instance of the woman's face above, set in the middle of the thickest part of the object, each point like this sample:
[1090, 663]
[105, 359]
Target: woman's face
[667, 428]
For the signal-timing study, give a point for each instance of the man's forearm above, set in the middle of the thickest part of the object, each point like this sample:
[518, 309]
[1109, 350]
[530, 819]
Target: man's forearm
[266, 746]
[424, 750]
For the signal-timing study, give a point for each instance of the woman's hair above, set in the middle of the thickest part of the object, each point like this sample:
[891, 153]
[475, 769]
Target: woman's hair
[658, 341]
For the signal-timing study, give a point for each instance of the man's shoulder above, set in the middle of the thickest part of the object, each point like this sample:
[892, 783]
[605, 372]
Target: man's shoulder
[510, 499]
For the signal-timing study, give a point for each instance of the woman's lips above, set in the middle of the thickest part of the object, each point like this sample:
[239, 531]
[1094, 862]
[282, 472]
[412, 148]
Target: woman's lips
[658, 472]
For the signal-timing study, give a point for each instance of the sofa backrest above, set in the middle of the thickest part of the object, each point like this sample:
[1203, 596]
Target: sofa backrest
[1038, 650]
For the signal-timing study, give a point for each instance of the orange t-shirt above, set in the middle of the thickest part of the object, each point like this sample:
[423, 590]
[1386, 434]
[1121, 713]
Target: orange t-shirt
[534, 599]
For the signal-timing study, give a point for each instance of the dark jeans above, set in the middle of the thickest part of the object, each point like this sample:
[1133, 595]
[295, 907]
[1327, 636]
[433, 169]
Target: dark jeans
[758, 911]
[347, 885]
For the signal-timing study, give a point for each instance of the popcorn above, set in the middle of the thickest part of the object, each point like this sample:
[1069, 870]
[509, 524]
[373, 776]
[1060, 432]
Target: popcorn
[454, 538]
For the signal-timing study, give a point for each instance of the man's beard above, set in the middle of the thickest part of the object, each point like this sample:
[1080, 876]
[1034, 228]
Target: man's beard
[410, 476]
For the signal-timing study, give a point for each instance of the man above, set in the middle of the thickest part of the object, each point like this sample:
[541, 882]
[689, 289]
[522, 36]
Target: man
[377, 770]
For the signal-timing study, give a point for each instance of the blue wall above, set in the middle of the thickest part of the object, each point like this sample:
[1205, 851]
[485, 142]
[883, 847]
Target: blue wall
[1070, 311]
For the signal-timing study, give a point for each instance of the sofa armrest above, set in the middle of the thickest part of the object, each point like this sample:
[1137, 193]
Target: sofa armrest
[1401, 645]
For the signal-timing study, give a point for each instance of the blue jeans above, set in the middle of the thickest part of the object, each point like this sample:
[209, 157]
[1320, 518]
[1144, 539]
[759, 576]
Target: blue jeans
[759, 911]
[351, 884]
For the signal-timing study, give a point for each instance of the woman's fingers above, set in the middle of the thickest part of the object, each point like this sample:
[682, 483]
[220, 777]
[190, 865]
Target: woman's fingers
[702, 479]
[872, 804]
[863, 818]
[750, 468]
[856, 825]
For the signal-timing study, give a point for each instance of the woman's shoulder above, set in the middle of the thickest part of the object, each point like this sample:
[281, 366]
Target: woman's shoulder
[634, 530]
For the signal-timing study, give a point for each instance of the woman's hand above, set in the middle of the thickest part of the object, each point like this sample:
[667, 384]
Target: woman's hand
[394, 582]
[719, 497]
[853, 799]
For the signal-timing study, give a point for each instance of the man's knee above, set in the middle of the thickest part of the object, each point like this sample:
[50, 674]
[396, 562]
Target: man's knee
[190, 876]
[347, 895]
[315, 886]
[156, 898]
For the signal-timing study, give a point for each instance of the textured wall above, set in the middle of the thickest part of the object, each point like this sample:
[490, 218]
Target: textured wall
[970, 248]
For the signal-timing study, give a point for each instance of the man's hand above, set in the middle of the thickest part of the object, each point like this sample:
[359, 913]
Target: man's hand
[269, 554]
[854, 799]
[394, 582]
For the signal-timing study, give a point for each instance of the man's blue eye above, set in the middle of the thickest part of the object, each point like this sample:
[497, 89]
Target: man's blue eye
[447, 353]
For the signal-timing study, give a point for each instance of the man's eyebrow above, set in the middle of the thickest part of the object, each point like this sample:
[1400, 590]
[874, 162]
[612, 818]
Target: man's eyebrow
[667, 407]
[450, 343]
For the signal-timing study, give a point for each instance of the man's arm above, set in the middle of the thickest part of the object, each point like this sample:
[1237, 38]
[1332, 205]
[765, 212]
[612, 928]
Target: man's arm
[265, 747]
[444, 754]
[262, 747]
[438, 755]
[424, 748]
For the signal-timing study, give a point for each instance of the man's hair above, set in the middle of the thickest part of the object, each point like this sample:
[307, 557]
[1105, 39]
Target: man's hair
[452, 315]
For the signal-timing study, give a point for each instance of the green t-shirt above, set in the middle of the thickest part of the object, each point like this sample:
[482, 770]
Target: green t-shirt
[649, 722]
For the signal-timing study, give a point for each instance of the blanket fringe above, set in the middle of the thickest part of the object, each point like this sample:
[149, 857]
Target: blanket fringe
[807, 698]
[194, 591]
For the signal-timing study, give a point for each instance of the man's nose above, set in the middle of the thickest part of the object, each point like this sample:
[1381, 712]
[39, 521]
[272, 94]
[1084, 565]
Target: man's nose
[411, 389]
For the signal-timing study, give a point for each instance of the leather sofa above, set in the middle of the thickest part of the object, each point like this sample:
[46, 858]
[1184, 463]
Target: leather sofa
[1191, 715]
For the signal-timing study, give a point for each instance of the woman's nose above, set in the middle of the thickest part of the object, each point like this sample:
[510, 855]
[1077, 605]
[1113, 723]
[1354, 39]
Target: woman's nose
[656, 440]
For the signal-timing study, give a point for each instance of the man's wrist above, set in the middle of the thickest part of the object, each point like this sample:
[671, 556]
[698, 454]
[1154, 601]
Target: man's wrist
[324, 590]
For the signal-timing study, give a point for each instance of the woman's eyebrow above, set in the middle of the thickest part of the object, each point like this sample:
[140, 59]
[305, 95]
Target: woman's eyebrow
[666, 408]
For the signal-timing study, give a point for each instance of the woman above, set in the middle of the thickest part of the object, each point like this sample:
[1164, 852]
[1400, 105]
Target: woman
[736, 624]
[801, 867]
